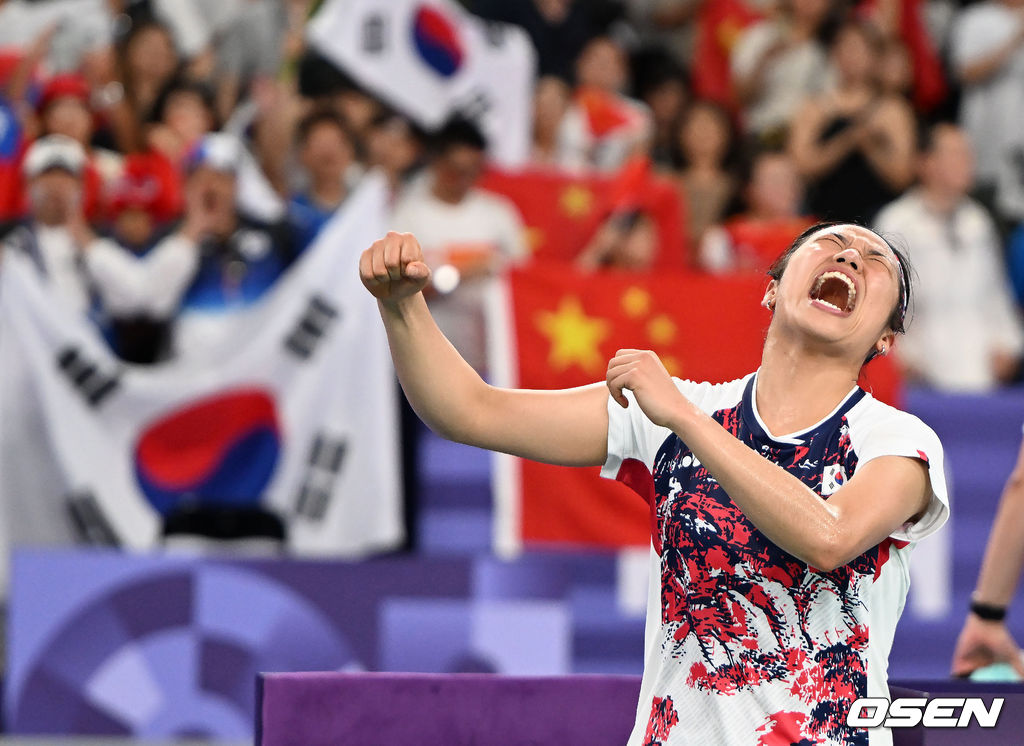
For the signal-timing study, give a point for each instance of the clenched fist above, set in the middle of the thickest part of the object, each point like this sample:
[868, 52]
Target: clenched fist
[393, 268]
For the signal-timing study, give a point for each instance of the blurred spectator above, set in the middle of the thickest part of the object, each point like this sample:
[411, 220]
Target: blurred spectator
[327, 155]
[63, 109]
[551, 99]
[137, 205]
[627, 241]
[778, 63]
[181, 116]
[395, 145]
[359, 110]
[854, 144]
[92, 275]
[77, 30]
[147, 62]
[667, 23]
[603, 128]
[249, 45]
[755, 239]
[706, 185]
[895, 70]
[966, 332]
[987, 52]
[559, 29]
[661, 84]
[467, 234]
[914, 26]
[239, 257]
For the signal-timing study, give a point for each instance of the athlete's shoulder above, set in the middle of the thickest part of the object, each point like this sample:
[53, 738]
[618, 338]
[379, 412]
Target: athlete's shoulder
[712, 397]
[872, 419]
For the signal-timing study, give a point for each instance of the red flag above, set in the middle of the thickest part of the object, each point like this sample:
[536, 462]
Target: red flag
[562, 212]
[757, 243]
[567, 326]
[720, 23]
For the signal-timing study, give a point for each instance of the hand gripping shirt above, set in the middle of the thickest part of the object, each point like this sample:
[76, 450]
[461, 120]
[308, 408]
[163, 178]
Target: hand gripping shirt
[745, 643]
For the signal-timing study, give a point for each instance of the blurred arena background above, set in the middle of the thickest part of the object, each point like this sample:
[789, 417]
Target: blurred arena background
[207, 469]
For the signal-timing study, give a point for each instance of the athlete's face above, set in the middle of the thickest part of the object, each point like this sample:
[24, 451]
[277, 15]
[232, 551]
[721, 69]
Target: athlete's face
[840, 288]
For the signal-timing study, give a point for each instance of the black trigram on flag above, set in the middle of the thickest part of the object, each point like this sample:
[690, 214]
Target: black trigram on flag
[312, 327]
[325, 461]
[91, 526]
[92, 383]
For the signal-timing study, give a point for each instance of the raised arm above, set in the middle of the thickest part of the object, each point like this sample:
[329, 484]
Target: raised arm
[567, 427]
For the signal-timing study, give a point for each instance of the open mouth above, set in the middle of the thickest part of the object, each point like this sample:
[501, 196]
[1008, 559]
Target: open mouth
[835, 291]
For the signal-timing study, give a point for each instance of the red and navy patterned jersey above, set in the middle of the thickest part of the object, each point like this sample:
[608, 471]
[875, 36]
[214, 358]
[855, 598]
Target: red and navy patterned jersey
[746, 644]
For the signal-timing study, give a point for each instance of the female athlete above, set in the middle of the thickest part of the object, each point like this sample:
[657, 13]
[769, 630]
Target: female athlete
[784, 504]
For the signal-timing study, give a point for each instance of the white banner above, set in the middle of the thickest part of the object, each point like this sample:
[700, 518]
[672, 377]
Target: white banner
[431, 59]
[296, 411]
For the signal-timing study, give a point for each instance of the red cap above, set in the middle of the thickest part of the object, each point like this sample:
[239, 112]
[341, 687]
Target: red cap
[59, 86]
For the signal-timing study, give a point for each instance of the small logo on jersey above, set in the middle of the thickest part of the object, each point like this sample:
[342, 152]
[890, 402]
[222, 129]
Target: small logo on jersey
[832, 478]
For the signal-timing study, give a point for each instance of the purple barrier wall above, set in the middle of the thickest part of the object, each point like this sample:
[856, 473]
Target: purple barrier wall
[324, 709]
[329, 709]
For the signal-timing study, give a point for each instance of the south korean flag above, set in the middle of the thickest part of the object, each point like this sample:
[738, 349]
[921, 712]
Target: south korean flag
[832, 478]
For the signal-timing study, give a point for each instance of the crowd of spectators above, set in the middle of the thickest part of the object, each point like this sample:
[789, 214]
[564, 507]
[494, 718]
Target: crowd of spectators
[159, 157]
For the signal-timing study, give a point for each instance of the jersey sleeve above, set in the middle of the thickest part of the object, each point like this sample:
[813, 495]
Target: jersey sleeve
[632, 436]
[905, 435]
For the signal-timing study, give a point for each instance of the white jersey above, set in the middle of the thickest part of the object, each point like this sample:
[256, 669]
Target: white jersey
[745, 643]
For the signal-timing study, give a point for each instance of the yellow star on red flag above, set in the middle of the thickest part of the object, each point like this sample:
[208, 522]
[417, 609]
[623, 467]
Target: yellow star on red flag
[575, 337]
[577, 201]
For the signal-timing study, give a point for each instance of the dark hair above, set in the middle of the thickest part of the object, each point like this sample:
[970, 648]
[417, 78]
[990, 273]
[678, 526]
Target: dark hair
[897, 319]
[456, 132]
[318, 117]
[868, 32]
[928, 135]
[182, 85]
[319, 77]
[652, 68]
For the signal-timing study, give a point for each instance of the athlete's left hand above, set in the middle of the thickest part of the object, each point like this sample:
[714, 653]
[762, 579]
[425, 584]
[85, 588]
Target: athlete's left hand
[641, 372]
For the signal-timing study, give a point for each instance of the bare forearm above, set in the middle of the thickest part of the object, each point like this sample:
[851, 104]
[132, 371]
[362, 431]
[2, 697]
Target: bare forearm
[568, 427]
[441, 386]
[779, 504]
[1004, 555]
[815, 160]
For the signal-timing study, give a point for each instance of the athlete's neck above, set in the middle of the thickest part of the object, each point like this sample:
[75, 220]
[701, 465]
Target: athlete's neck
[797, 388]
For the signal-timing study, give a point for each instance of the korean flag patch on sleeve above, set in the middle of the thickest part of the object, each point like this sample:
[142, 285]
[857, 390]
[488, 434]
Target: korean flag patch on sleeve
[832, 478]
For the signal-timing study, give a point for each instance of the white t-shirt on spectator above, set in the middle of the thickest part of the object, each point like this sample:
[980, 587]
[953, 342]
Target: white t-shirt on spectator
[991, 110]
[962, 308]
[791, 76]
[82, 26]
[484, 225]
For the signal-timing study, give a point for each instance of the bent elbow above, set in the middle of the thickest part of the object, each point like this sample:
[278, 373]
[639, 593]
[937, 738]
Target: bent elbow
[829, 553]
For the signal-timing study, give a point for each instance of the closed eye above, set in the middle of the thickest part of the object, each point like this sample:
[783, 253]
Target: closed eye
[875, 254]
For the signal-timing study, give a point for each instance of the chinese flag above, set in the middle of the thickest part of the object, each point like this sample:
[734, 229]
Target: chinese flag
[562, 212]
[720, 23]
[566, 327]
